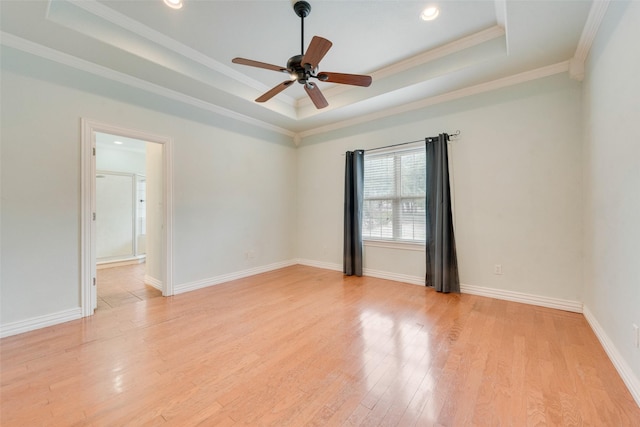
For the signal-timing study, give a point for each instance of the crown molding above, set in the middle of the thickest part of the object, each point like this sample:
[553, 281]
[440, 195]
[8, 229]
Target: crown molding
[420, 59]
[576, 69]
[440, 52]
[515, 79]
[15, 42]
[589, 32]
[501, 19]
[164, 42]
[596, 14]
[27, 46]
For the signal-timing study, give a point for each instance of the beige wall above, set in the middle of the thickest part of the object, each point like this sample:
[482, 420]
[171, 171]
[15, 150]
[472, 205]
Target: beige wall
[612, 185]
[516, 172]
[232, 188]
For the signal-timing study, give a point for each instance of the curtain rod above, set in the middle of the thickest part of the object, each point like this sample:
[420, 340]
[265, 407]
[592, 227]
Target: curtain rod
[454, 134]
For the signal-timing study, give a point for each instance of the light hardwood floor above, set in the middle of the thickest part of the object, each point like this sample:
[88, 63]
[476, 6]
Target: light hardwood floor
[304, 346]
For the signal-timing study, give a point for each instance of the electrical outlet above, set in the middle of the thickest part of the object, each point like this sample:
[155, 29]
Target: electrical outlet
[497, 269]
[636, 335]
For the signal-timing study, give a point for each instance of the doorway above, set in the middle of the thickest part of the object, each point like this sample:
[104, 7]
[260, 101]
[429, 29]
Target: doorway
[125, 272]
[141, 191]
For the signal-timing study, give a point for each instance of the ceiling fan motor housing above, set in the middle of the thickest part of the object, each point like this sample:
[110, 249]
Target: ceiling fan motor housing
[301, 72]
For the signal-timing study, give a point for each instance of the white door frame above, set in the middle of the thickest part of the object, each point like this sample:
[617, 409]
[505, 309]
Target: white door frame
[88, 203]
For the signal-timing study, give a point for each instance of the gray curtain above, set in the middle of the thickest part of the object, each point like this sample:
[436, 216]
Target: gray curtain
[353, 197]
[442, 263]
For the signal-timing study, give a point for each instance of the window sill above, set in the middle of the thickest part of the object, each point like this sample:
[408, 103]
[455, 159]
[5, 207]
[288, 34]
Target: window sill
[395, 245]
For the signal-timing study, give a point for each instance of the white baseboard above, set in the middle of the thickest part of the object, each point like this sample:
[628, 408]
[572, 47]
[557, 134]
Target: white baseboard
[152, 281]
[319, 264]
[397, 277]
[21, 326]
[556, 303]
[467, 289]
[120, 263]
[632, 382]
[549, 302]
[199, 284]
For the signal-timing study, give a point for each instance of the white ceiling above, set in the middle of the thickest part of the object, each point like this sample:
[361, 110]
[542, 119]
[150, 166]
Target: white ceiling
[119, 143]
[186, 54]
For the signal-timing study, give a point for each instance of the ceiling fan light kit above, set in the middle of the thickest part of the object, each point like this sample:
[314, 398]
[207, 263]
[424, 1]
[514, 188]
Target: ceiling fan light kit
[303, 67]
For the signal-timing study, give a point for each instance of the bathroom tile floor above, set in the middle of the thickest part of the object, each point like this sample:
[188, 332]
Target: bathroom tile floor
[118, 286]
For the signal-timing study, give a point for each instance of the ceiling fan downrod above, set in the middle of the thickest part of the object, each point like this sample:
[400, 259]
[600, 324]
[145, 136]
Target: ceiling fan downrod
[302, 9]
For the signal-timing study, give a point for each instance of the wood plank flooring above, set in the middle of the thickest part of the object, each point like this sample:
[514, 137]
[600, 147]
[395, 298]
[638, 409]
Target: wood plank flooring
[305, 346]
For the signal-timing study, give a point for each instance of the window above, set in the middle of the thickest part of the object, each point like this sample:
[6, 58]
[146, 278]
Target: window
[394, 195]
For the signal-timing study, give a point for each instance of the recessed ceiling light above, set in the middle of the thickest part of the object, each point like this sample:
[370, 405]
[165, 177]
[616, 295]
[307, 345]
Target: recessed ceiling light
[174, 4]
[430, 13]
[118, 142]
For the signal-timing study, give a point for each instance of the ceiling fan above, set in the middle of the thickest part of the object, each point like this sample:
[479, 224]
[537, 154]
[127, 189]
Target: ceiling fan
[303, 67]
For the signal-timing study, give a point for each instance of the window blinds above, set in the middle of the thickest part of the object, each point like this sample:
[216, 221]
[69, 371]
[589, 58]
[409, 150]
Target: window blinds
[394, 195]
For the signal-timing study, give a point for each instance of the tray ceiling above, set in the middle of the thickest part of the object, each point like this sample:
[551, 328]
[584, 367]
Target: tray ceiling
[185, 54]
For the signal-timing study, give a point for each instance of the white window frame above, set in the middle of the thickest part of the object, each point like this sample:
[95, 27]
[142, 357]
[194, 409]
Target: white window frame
[395, 242]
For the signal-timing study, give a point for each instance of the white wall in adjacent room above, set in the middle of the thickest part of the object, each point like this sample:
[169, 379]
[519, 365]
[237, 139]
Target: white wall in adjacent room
[116, 198]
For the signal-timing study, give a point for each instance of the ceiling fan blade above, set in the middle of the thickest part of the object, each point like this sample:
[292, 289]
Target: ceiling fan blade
[317, 49]
[273, 92]
[316, 96]
[258, 64]
[345, 79]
